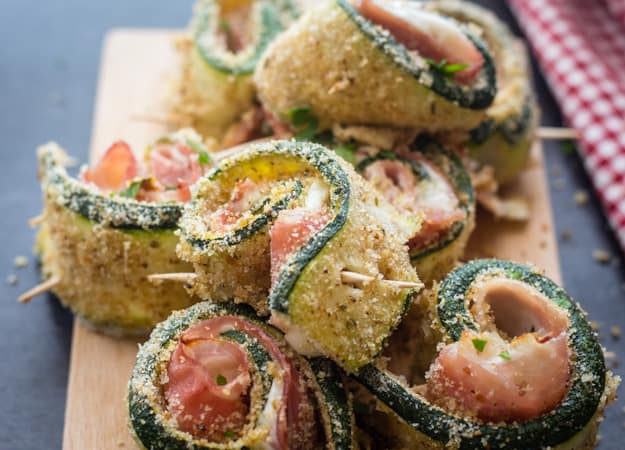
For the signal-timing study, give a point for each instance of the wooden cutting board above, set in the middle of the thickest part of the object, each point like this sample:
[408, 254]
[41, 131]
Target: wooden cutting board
[138, 69]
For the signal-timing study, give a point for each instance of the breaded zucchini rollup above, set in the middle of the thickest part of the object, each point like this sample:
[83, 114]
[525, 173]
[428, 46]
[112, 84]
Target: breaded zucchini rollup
[522, 369]
[429, 186]
[504, 139]
[104, 233]
[216, 377]
[374, 63]
[285, 219]
[227, 40]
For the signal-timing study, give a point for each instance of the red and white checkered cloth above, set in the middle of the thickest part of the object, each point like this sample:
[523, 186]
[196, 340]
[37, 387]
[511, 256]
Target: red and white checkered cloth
[580, 45]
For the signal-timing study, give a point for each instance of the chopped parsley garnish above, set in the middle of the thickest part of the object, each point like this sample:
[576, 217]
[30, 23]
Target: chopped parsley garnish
[505, 355]
[447, 69]
[132, 190]
[479, 344]
[202, 155]
[221, 380]
[229, 434]
[347, 152]
[304, 122]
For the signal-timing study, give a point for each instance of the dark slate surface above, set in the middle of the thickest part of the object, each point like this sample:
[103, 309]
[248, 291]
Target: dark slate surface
[49, 59]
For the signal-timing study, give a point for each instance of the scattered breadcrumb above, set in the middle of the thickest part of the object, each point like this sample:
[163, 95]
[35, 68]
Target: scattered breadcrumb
[594, 325]
[609, 355]
[601, 256]
[20, 261]
[566, 234]
[581, 198]
[558, 184]
[615, 331]
[12, 279]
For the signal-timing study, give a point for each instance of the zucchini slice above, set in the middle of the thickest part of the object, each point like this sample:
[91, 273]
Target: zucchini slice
[343, 227]
[273, 397]
[571, 424]
[227, 40]
[370, 78]
[431, 186]
[102, 248]
[504, 139]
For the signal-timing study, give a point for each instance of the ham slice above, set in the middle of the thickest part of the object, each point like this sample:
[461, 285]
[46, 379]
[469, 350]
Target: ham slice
[208, 383]
[292, 229]
[506, 381]
[427, 33]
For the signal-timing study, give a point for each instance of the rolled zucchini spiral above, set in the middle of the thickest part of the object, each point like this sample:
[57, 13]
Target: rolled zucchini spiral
[102, 248]
[227, 40]
[215, 376]
[373, 78]
[522, 368]
[283, 220]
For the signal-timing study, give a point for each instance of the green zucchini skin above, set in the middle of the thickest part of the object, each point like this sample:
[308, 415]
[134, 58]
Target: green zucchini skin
[118, 212]
[215, 86]
[477, 98]
[571, 425]
[335, 404]
[436, 260]
[503, 140]
[102, 249]
[154, 430]
[270, 18]
[308, 295]
[304, 67]
[236, 266]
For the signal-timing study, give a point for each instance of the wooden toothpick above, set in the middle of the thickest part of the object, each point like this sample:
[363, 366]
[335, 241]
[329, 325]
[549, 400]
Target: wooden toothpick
[179, 277]
[37, 220]
[557, 133]
[39, 289]
[346, 277]
[355, 277]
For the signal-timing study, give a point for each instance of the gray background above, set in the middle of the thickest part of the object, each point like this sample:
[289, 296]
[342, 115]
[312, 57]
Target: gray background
[49, 61]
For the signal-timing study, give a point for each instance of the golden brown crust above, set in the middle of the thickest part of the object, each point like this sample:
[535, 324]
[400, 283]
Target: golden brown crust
[351, 83]
[103, 271]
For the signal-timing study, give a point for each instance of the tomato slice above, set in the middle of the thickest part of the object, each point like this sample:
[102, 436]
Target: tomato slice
[116, 167]
[430, 35]
[292, 229]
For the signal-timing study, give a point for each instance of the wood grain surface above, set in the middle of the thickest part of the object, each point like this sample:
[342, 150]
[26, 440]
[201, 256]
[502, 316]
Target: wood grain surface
[137, 71]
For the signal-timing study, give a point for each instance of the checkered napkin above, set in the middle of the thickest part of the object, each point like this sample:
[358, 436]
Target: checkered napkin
[580, 45]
